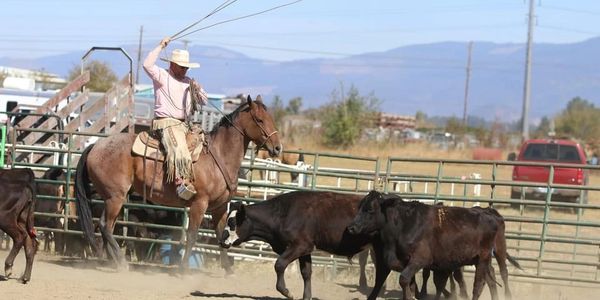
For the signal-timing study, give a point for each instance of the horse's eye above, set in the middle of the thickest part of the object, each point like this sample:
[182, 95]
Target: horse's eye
[259, 121]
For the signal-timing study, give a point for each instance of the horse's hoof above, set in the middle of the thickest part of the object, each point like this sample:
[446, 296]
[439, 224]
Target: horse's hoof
[286, 293]
[25, 280]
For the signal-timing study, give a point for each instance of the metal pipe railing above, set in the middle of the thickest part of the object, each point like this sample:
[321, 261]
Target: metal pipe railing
[540, 245]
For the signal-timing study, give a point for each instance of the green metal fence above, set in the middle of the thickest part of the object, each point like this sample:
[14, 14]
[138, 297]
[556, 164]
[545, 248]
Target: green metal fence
[552, 240]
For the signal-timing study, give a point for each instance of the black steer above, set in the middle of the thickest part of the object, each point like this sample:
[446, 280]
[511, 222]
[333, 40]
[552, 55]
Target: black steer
[294, 224]
[415, 235]
[17, 188]
[53, 206]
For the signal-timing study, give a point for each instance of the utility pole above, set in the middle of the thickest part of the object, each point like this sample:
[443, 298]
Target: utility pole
[185, 44]
[527, 88]
[139, 56]
[467, 83]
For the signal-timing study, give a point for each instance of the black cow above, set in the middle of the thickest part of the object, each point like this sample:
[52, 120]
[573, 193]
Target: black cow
[294, 224]
[457, 275]
[153, 216]
[415, 235]
[17, 188]
[54, 206]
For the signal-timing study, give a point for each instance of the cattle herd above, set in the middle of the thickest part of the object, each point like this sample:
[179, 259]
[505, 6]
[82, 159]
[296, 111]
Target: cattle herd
[403, 236]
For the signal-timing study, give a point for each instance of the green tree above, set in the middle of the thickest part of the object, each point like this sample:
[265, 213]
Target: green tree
[294, 106]
[277, 111]
[102, 78]
[543, 128]
[420, 116]
[2, 77]
[344, 118]
[580, 120]
[455, 126]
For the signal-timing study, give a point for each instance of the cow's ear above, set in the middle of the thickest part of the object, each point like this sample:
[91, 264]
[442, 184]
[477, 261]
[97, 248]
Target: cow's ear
[234, 205]
[241, 214]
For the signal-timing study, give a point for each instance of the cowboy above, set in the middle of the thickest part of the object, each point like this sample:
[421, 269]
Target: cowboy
[174, 94]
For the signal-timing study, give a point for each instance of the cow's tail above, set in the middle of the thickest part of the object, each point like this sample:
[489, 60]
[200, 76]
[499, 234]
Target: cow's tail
[513, 261]
[30, 213]
[84, 210]
[501, 242]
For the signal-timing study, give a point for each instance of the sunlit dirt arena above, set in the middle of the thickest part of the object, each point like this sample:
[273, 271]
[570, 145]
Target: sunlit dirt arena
[70, 278]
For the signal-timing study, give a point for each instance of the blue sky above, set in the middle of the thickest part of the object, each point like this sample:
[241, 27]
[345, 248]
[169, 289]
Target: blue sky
[308, 29]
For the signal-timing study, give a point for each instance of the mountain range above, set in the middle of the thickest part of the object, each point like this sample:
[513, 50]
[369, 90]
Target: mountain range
[429, 77]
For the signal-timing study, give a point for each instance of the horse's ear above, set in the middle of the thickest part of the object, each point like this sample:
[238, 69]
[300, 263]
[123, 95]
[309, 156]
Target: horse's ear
[249, 100]
[259, 98]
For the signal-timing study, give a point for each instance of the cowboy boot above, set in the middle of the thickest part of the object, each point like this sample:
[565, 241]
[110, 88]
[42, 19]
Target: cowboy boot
[186, 190]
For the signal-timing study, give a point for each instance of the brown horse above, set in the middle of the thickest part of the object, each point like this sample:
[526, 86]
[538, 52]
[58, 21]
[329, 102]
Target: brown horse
[115, 171]
[288, 158]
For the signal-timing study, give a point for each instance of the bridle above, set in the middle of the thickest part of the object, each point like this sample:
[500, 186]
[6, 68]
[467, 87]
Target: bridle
[255, 119]
[262, 129]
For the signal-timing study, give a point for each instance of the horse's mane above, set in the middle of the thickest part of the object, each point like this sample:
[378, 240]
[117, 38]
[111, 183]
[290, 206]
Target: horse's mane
[225, 120]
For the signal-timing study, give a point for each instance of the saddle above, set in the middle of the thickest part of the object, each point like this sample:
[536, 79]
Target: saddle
[147, 144]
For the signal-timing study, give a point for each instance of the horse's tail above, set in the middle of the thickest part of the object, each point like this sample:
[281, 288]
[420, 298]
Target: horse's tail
[84, 210]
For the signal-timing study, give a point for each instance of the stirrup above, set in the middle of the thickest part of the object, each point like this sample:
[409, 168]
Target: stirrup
[186, 191]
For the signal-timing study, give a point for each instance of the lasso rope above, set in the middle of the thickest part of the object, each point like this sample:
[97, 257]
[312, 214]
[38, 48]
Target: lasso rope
[217, 9]
[222, 6]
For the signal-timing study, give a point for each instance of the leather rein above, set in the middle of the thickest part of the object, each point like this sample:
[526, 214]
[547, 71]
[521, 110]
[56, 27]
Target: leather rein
[231, 183]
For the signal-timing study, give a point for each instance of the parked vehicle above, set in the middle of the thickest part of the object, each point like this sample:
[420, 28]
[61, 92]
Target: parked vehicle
[443, 140]
[560, 151]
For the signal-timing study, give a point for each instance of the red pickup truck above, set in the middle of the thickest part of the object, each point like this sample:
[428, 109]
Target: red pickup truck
[551, 151]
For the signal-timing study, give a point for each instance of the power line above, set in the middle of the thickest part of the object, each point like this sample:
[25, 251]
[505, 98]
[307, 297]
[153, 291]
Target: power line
[588, 12]
[569, 30]
[388, 11]
[132, 38]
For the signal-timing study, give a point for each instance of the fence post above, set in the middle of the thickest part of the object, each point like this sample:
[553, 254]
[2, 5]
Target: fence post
[544, 234]
[313, 182]
[2, 145]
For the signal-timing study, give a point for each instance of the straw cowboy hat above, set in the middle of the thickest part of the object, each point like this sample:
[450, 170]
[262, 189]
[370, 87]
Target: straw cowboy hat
[182, 58]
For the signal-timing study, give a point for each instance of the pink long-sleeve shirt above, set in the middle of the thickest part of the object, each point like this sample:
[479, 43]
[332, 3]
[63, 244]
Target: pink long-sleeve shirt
[171, 96]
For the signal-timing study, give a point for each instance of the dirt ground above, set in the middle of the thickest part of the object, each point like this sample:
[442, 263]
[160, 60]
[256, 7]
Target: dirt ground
[57, 277]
